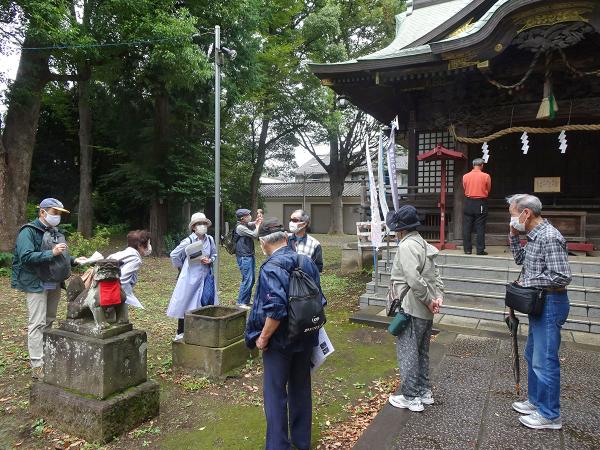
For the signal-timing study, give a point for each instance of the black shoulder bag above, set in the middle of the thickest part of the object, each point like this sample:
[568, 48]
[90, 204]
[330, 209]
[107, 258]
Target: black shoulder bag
[526, 300]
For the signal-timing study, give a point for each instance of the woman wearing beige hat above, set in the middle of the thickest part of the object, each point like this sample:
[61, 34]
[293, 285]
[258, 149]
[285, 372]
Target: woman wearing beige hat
[195, 256]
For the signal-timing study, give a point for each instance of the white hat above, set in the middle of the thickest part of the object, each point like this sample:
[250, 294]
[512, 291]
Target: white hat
[198, 218]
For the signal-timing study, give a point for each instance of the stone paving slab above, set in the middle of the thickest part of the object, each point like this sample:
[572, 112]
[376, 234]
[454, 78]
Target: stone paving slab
[474, 387]
[586, 338]
[465, 322]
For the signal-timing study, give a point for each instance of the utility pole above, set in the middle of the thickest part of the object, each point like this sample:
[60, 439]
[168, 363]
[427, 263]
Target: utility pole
[217, 151]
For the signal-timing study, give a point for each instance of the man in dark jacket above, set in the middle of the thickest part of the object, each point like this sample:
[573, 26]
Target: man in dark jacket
[286, 381]
[244, 234]
[42, 296]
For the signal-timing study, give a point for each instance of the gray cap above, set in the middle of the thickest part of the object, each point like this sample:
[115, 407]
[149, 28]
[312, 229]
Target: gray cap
[242, 212]
[269, 226]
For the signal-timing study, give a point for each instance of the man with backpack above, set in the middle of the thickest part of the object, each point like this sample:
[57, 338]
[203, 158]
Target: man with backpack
[41, 264]
[286, 359]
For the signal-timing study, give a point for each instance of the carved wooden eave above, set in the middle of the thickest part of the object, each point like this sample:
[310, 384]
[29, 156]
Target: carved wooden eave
[378, 85]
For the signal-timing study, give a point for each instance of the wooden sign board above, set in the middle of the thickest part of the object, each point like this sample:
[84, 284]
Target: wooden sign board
[546, 184]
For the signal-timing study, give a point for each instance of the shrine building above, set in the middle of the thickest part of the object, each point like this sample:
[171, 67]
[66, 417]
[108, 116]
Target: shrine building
[516, 80]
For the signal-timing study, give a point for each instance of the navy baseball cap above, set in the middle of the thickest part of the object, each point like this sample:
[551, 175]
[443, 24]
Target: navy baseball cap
[242, 212]
[52, 203]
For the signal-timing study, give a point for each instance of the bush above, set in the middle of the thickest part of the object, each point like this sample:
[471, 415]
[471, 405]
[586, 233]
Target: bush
[117, 229]
[6, 259]
[172, 240]
[80, 246]
[32, 211]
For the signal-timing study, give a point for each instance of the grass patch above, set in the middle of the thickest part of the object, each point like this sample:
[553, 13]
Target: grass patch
[195, 412]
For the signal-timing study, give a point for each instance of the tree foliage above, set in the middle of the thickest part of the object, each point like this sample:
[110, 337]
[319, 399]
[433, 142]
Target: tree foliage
[151, 95]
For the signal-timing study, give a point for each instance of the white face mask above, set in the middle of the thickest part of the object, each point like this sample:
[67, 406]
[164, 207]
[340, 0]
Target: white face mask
[514, 222]
[52, 219]
[148, 250]
[201, 229]
[296, 226]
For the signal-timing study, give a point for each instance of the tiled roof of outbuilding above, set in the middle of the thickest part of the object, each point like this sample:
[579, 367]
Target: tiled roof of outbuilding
[313, 189]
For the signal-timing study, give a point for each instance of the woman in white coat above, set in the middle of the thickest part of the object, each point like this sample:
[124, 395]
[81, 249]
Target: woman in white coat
[194, 256]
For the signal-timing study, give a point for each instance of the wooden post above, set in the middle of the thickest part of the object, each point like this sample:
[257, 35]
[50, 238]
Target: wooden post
[412, 154]
[460, 168]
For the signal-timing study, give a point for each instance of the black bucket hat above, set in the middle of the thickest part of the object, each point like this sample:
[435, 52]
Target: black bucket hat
[403, 219]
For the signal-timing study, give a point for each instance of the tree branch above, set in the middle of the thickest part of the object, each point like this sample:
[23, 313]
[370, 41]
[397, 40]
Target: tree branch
[284, 133]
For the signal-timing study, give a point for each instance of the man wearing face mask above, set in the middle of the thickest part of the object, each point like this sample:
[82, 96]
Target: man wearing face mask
[301, 242]
[545, 266]
[194, 256]
[31, 262]
[286, 380]
[244, 234]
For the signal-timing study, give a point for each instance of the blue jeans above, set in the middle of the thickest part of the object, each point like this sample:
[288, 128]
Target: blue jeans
[287, 398]
[247, 268]
[541, 354]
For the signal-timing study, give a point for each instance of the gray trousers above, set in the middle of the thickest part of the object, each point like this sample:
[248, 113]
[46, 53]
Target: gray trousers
[42, 308]
[412, 348]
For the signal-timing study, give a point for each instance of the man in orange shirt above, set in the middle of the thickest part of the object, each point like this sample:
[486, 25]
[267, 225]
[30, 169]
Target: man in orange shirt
[477, 185]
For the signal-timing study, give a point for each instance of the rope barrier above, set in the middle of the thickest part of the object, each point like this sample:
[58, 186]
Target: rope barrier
[528, 130]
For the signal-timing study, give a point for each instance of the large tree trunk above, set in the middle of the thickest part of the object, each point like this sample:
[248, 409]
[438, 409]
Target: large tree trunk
[336, 185]
[18, 140]
[261, 156]
[337, 177]
[85, 211]
[158, 206]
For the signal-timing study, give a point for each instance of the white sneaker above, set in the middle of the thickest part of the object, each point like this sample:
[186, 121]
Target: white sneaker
[241, 305]
[400, 402]
[538, 422]
[427, 398]
[178, 336]
[525, 407]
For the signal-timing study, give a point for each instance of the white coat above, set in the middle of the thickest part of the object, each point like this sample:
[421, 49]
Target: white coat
[190, 284]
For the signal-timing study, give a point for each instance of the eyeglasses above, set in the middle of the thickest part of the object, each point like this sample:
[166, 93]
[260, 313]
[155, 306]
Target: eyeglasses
[295, 220]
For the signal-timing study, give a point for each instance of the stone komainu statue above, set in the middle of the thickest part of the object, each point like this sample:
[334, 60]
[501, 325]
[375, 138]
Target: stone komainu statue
[91, 294]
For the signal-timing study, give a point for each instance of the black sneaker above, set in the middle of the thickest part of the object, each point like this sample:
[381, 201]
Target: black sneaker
[482, 253]
[468, 252]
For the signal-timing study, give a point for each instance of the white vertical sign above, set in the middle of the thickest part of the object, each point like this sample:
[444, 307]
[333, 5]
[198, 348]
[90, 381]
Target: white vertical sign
[381, 177]
[376, 237]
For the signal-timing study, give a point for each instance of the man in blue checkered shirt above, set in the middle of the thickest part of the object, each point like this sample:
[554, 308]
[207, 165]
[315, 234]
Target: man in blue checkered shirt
[545, 266]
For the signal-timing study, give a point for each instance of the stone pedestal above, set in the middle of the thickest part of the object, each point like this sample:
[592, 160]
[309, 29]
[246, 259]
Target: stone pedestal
[92, 419]
[208, 361]
[213, 341]
[214, 326]
[92, 366]
[95, 380]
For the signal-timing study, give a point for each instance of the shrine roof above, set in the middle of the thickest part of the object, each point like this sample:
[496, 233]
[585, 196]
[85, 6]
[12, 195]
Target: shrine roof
[424, 22]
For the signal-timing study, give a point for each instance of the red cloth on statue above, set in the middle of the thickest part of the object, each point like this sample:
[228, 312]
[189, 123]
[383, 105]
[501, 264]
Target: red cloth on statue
[110, 292]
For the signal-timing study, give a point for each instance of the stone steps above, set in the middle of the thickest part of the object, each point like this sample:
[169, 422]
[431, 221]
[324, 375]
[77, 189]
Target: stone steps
[583, 280]
[581, 317]
[507, 262]
[579, 294]
[475, 287]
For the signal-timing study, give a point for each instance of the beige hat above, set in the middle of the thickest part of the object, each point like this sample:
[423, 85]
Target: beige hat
[198, 218]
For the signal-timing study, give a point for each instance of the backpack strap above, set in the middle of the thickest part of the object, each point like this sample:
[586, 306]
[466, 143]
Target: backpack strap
[31, 225]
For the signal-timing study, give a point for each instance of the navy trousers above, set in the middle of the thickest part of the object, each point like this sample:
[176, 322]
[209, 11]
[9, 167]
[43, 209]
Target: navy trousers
[286, 388]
